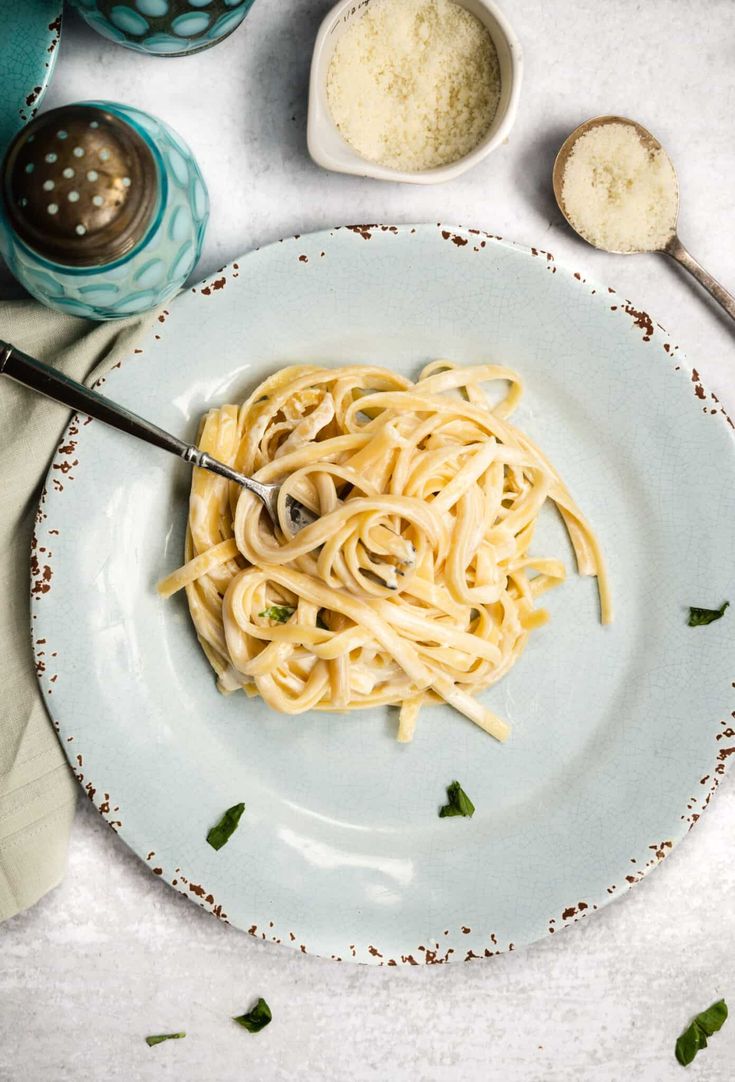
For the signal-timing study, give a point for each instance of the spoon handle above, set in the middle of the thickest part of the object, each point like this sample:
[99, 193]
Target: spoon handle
[677, 251]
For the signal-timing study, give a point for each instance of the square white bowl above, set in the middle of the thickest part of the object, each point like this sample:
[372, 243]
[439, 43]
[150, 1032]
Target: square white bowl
[328, 147]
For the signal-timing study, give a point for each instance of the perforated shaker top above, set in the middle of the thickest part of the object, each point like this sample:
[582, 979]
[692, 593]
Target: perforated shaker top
[79, 186]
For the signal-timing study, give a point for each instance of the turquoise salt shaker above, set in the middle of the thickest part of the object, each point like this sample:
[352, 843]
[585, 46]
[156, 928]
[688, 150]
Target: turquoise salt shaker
[103, 210]
[165, 27]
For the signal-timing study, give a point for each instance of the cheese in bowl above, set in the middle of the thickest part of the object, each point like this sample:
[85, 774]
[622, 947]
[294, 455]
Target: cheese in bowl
[412, 90]
[414, 84]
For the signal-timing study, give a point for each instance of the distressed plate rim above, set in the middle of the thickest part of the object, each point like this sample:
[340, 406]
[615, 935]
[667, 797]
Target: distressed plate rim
[23, 101]
[432, 951]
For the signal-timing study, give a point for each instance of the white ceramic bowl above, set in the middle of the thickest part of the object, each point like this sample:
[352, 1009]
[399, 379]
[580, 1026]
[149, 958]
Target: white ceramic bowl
[331, 150]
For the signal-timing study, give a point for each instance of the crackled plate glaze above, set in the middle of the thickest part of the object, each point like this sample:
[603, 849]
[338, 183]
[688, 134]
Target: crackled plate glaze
[620, 734]
[28, 49]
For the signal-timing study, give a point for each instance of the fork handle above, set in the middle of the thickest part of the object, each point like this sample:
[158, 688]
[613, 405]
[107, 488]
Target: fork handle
[47, 381]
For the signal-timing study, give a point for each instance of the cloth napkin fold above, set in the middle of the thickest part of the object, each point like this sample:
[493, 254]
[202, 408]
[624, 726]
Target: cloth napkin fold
[37, 788]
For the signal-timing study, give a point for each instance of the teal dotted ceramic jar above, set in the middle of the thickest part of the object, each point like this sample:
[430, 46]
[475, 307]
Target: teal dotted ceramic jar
[165, 27]
[103, 210]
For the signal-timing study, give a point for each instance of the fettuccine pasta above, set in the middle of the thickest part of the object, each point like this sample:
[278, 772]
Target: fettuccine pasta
[415, 584]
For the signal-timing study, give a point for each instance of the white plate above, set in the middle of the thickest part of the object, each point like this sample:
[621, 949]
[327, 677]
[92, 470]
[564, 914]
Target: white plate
[619, 734]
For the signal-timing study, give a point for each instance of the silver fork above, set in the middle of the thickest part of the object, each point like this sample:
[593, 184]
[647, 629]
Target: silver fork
[47, 381]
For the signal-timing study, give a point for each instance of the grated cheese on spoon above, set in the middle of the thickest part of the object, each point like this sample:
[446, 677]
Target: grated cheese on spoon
[619, 193]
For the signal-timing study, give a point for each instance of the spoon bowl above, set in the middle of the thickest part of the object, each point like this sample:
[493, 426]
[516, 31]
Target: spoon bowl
[649, 141]
[672, 246]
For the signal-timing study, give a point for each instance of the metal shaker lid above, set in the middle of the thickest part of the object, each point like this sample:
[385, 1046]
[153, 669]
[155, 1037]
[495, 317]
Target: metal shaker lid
[79, 186]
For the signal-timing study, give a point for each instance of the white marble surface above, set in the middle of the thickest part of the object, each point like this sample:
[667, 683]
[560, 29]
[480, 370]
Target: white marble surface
[113, 954]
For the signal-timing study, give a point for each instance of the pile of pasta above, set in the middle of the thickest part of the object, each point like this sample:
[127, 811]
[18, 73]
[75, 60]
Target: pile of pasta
[415, 584]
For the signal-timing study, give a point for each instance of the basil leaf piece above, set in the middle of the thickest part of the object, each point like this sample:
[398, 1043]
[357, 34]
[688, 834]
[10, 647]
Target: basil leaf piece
[459, 802]
[688, 1044]
[150, 1041]
[694, 1037]
[700, 617]
[278, 613]
[713, 1018]
[256, 1019]
[223, 831]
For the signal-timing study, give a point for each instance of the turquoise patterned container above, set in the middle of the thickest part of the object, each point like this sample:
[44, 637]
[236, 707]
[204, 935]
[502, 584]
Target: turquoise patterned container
[103, 210]
[165, 27]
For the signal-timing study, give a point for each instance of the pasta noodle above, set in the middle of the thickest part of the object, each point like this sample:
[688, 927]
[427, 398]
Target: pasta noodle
[415, 584]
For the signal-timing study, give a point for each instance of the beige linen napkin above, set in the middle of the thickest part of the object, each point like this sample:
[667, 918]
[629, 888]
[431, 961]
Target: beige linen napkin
[37, 789]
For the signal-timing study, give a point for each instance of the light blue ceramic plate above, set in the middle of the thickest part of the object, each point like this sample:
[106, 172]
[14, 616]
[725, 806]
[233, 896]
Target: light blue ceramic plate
[29, 40]
[620, 734]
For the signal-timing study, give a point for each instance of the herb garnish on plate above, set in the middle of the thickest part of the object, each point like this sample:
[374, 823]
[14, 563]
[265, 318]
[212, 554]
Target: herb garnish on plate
[220, 834]
[700, 617]
[459, 802]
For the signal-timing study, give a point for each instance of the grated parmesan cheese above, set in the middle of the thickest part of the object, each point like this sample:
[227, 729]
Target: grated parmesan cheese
[414, 84]
[619, 193]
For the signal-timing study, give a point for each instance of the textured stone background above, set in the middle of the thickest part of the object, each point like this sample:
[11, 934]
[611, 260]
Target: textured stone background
[114, 954]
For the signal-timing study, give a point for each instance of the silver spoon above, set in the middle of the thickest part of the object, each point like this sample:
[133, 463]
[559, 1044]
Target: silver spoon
[47, 381]
[673, 246]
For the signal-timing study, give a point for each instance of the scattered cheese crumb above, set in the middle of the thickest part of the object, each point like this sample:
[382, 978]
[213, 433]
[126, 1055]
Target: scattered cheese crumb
[619, 193]
[414, 84]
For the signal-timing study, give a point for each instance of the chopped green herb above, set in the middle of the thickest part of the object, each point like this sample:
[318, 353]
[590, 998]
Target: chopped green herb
[689, 1043]
[256, 1019]
[279, 613]
[695, 1035]
[459, 802]
[699, 617]
[223, 831]
[713, 1018]
[150, 1041]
